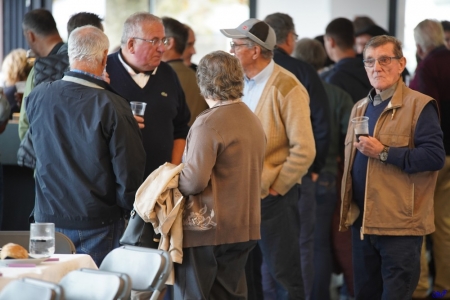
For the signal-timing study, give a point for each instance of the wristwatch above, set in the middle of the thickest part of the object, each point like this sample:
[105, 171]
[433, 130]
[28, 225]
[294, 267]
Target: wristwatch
[384, 154]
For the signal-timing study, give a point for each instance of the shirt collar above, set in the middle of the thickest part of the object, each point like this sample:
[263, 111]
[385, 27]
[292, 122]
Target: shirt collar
[87, 73]
[263, 75]
[130, 70]
[384, 95]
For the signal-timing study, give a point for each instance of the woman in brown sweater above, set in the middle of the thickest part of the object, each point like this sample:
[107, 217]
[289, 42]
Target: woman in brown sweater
[222, 176]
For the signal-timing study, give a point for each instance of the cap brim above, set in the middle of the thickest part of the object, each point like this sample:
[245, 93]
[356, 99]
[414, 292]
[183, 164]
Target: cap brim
[233, 33]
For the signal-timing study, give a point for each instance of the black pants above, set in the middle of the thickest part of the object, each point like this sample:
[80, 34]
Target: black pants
[213, 272]
[279, 246]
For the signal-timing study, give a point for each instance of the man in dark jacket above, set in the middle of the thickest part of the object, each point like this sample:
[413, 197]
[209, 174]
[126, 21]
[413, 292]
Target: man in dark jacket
[90, 159]
[283, 26]
[348, 72]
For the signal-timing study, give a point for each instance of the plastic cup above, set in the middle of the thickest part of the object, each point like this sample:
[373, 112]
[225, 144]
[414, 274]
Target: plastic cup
[138, 108]
[361, 126]
[42, 240]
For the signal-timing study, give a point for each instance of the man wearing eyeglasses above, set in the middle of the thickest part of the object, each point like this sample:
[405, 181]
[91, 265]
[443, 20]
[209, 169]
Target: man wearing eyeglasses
[282, 104]
[177, 35]
[137, 74]
[389, 177]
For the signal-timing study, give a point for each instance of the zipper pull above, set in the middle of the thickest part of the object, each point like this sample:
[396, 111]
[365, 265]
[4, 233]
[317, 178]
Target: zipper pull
[361, 234]
[393, 113]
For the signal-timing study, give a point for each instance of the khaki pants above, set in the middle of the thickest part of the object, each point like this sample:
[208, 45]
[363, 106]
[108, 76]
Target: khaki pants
[440, 239]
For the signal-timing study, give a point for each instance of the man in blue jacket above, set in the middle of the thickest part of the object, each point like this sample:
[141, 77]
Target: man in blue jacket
[89, 154]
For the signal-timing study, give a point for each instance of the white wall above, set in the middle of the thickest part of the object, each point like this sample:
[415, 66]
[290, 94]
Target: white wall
[312, 16]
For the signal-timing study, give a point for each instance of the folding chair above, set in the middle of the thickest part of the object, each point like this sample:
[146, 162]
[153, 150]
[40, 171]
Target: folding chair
[63, 245]
[31, 289]
[148, 268]
[93, 284]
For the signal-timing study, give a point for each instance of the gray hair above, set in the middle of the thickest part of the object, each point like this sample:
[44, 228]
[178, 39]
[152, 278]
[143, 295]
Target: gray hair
[311, 51]
[87, 43]
[381, 40]
[282, 24]
[429, 34]
[133, 25]
[265, 53]
[220, 76]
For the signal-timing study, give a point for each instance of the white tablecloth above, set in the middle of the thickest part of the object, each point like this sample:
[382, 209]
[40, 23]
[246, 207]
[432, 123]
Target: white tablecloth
[50, 271]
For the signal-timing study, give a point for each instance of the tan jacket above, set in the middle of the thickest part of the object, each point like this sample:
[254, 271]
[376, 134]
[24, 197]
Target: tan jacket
[283, 110]
[396, 203]
[159, 202]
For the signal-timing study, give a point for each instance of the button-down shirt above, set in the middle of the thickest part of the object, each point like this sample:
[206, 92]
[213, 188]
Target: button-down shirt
[254, 87]
[384, 95]
[141, 79]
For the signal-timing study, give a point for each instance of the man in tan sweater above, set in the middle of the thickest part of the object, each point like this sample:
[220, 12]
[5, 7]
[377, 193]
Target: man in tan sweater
[282, 104]
[177, 36]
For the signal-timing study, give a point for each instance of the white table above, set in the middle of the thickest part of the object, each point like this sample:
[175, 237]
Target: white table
[52, 271]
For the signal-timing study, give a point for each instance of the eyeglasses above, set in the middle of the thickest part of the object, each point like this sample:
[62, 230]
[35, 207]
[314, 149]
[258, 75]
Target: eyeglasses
[383, 61]
[155, 41]
[234, 45]
[295, 36]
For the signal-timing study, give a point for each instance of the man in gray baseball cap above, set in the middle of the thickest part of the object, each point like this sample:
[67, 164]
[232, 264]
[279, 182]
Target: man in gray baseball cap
[258, 31]
[281, 103]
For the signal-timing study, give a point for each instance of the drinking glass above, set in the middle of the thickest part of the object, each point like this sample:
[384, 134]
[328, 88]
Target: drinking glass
[361, 126]
[138, 108]
[42, 240]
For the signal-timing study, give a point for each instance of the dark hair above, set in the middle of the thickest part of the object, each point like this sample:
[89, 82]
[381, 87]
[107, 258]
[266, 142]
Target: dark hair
[178, 31]
[361, 22]
[446, 25]
[40, 21]
[328, 61]
[282, 24]
[83, 19]
[341, 30]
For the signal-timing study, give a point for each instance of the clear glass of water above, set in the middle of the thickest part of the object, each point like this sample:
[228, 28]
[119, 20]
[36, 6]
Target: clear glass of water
[42, 240]
[138, 108]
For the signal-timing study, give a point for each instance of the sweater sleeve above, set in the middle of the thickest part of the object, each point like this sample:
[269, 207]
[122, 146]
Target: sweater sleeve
[428, 153]
[295, 114]
[320, 119]
[200, 155]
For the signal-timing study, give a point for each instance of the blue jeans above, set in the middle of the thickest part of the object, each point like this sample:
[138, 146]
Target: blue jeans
[385, 267]
[279, 243]
[307, 211]
[96, 242]
[326, 198]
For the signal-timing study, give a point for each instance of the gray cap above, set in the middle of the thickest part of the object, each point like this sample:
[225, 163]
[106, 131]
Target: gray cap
[258, 31]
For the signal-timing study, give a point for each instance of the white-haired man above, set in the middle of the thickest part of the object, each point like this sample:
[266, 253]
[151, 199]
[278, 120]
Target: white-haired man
[282, 104]
[138, 74]
[431, 78]
[89, 154]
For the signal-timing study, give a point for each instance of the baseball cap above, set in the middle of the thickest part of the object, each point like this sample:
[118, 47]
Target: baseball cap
[258, 31]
